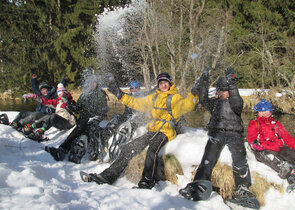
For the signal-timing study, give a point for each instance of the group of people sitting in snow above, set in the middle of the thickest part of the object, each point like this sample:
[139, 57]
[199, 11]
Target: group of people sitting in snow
[267, 138]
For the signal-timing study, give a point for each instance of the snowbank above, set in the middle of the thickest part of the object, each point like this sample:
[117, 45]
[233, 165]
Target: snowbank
[31, 179]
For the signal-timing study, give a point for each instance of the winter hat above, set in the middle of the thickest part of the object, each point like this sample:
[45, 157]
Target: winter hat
[44, 85]
[60, 89]
[222, 84]
[163, 76]
[134, 84]
[60, 85]
[263, 106]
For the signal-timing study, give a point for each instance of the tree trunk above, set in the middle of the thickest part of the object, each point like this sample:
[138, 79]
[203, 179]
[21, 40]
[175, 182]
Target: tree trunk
[218, 51]
[192, 45]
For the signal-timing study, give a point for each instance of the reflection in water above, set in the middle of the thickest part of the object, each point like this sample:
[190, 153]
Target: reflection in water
[195, 119]
[17, 105]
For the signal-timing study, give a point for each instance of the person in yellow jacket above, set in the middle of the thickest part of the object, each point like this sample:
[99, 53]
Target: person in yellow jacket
[166, 106]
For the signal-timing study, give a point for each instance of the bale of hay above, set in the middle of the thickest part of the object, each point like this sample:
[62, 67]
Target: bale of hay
[171, 167]
[168, 168]
[222, 177]
[260, 186]
[135, 167]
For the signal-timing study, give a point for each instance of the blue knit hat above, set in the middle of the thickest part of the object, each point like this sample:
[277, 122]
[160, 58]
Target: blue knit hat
[263, 106]
[134, 84]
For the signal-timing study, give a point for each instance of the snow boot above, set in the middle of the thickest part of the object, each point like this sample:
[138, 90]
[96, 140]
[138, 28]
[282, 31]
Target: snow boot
[4, 119]
[93, 177]
[16, 125]
[121, 137]
[27, 129]
[291, 181]
[197, 190]
[78, 149]
[285, 169]
[95, 148]
[37, 136]
[244, 197]
[58, 154]
[146, 183]
[291, 177]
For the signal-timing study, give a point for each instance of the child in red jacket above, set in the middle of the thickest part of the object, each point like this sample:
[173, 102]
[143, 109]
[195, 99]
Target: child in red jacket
[271, 143]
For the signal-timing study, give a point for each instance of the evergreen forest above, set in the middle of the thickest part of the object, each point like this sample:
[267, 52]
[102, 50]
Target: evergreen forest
[54, 38]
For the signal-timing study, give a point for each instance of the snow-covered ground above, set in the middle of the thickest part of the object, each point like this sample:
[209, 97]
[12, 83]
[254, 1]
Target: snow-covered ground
[31, 179]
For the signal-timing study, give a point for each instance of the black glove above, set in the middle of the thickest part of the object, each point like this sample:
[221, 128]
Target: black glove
[229, 70]
[206, 71]
[196, 87]
[114, 89]
[205, 76]
[230, 76]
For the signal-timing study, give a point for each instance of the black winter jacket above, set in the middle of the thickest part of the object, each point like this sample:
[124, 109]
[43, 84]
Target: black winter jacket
[225, 114]
[92, 103]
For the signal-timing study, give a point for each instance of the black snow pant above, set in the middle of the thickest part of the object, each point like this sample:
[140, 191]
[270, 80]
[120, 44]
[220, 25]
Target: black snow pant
[155, 141]
[282, 161]
[27, 117]
[78, 131]
[53, 120]
[214, 146]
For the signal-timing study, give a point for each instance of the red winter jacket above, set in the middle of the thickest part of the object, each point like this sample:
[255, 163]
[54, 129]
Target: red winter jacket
[60, 103]
[270, 133]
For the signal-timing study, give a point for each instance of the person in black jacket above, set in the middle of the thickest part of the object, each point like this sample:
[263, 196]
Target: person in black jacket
[91, 103]
[224, 128]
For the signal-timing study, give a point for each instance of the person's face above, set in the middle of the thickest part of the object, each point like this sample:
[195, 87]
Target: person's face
[222, 94]
[164, 85]
[44, 91]
[60, 94]
[265, 114]
[93, 85]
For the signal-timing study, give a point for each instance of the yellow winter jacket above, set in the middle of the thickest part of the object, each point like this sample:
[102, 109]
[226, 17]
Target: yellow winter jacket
[179, 106]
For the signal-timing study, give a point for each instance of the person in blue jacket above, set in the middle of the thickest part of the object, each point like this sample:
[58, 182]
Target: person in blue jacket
[43, 90]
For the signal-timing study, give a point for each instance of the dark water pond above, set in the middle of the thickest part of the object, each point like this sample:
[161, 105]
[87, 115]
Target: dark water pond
[196, 119]
[17, 105]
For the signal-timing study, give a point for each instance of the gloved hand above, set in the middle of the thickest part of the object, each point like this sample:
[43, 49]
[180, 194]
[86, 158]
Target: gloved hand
[30, 95]
[114, 89]
[206, 71]
[229, 70]
[196, 87]
[38, 99]
[230, 76]
[256, 146]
